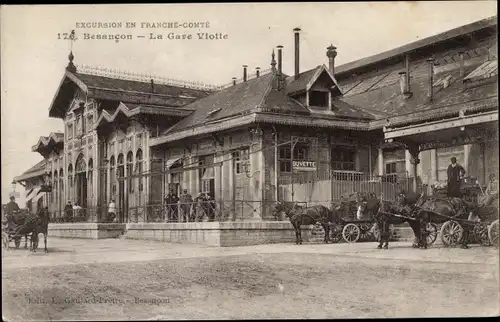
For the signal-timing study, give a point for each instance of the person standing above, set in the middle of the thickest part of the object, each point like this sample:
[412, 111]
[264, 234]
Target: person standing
[111, 211]
[491, 193]
[186, 200]
[171, 201]
[455, 174]
[68, 210]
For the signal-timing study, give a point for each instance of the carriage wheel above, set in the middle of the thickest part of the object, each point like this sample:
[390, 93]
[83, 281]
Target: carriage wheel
[335, 234]
[493, 233]
[351, 233]
[451, 233]
[480, 232]
[17, 242]
[431, 232]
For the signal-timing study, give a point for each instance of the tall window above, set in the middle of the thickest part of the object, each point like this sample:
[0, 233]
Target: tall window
[112, 174]
[130, 166]
[70, 175]
[138, 169]
[241, 160]
[90, 122]
[70, 131]
[91, 172]
[207, 182]
[300, 153]
[343, 158]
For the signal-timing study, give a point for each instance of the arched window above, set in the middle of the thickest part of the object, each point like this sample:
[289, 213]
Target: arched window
[138, 169]
[81, 166]
[130, 157]
[112, 174]
[70, 175]
[119, 172]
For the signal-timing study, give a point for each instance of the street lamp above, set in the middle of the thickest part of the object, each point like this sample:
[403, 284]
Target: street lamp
[14, 184]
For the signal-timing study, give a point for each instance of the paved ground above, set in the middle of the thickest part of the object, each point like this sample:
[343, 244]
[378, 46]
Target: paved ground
[126, 279]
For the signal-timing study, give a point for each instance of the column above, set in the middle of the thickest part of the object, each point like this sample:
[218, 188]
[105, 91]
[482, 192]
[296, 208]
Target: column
[408, 164]
[414, 152]
[467, 167]
[434, 173]
[380, 161]
[256, 165]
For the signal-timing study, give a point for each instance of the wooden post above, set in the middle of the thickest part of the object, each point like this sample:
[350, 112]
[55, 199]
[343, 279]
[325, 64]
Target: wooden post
[414, 152]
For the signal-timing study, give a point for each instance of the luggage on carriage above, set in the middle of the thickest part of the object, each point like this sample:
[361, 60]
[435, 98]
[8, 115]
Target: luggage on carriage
[13, 225]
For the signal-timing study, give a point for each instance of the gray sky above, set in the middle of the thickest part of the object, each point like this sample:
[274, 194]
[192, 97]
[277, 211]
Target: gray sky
[33, 59]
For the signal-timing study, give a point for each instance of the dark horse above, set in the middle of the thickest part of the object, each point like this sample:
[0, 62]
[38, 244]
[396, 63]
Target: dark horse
[300, 215]
[439, 210]
[34, 225]
[386, 213]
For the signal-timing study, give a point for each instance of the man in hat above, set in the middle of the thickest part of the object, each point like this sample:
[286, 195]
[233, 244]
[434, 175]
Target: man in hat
[186, 200]
[12, 206]
[68, 210]
[171, 201]
[455, 174]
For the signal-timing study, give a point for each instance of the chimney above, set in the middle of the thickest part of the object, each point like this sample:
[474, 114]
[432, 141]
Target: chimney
[402, 82]
[152, 86]
[297, 69]
[245, 73]
[279, 79]
[234, 81]
[280, 60]
[257, 71]
[331, 53]
[431, 77]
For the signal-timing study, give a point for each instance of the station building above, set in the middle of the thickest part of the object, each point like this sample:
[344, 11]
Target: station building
[384, 123]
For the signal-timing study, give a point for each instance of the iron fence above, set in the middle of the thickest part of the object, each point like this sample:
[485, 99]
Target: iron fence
[336, 185]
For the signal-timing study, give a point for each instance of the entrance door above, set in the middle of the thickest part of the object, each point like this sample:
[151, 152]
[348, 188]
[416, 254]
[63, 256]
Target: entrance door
[82, 190]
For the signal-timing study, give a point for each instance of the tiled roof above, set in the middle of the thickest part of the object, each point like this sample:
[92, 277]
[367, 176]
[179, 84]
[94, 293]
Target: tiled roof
[237, 99]
[388, 100]
[258, 95]
[136, 86]
[35, 171]
[295, 85]
[420, 44]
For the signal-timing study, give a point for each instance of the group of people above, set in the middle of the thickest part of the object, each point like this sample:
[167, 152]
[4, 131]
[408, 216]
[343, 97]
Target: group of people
[455, 175]
[184, 208]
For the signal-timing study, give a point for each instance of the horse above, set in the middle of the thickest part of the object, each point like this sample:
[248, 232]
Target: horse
[386, 213]
[40, 226]
[300, 215]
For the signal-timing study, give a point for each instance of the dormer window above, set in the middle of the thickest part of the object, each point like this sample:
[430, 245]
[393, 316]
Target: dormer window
[318, 99]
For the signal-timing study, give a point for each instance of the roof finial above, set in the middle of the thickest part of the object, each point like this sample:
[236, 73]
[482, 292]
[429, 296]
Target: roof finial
[71, 67]
[273, 62]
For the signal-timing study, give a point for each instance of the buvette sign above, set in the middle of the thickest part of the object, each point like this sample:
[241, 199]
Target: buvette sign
[304, 166]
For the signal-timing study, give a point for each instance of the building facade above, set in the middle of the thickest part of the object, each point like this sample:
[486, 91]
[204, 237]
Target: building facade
[383, 124]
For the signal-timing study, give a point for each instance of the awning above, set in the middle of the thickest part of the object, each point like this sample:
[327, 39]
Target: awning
[38, 196]
[171, 162]
[209, 173]
[33, 193]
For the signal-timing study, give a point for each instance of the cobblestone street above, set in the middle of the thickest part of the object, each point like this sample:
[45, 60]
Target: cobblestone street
[119, 279]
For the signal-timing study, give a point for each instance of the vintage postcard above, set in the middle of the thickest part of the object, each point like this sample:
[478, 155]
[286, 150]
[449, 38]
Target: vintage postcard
[249, 160]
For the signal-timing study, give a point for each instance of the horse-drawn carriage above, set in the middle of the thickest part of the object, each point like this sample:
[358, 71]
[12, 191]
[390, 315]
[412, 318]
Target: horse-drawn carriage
[12, 229]
[21, 224]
